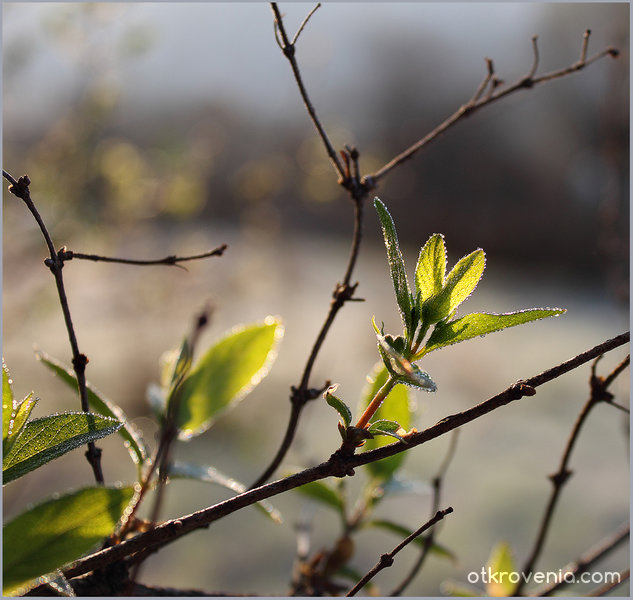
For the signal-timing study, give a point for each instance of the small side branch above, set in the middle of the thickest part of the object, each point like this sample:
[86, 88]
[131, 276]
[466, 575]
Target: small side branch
[496, 92]
[65, 255]
[20, 188]
[288, 48]
[586, 560]
[386, 560]
[336, 466]
[437, 493]
[598, 394]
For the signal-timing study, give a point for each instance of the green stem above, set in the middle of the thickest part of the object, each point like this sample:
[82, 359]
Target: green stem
[377, 400]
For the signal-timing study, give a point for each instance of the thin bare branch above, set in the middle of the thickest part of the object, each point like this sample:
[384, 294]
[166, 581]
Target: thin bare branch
[437, 493]
[336, 466]
[304, 23]
[171, 260]
[20, 188]
[288, 50]
[528, 81]
[598, 394]
[608, 586]
[535, 61]
[586, 560]
[386, 560]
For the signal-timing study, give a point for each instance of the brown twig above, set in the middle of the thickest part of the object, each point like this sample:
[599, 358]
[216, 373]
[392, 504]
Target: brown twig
[598, 394]
[437, 493]
[386, 560]
[20, 188]
[335, 466]
[288, 48]
[168, 434]
[586, 560]
[477, 102]
[302, 394]
[171, 260]
[608, 586]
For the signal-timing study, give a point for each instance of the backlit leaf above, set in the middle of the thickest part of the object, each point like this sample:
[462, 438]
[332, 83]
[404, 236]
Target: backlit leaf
[396, 264]
[57, 532]
[459, 284]
[502, 568]
[228, 371]
[323, 493]
[48, 438]
[431, 268]
[478, 324]
[133, 440]
[338, 405]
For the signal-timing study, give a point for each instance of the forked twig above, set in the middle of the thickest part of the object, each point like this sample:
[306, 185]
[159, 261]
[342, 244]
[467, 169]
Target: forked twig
[336, 466]
[477, 102]
[20, 188]
[586, 560]
[598, 394]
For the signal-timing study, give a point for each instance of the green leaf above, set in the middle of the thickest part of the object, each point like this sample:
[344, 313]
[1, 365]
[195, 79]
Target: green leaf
[7, 405]
[338, 405]
[323, 493]
[133, 440]
[403, 370]
[460, 283]
[502, 568]
[57, 532]
[48, 438]
[226, 374]
[388, 428]
[208, 474]
[431, 268]
[397, 407]
[14, 414]
[404, 532]
[396, 265]
[478, 324]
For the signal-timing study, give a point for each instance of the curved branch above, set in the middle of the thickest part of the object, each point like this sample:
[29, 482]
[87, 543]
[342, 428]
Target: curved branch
[336, 466]
[476, 102]
[599, 393]
[20, 188]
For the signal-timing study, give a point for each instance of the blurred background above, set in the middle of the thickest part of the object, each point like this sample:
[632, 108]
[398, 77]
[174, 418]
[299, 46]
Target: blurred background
[160, 128]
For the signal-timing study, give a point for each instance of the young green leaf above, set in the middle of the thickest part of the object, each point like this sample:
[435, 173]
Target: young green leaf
[396, 407]
[388, 428]
[14, 414]
[186, 470]
[502, 568]
[323, 493]
[338, 405]
[431, 268]
[459, 284]
[133, 440]
[478, 324]
[229, 370]
[7, 405]
[48, 438]
[396, 265]
[57, 532]
[402, 369]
